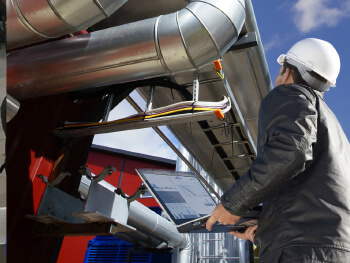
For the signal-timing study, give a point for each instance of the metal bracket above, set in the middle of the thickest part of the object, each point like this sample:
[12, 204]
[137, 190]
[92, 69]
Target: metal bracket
[108, 170]
[140, 191]
[56, 181]
[249, 156]
[195, 86]
[150, 98]
[248, 40]
[109, 103]
[56, 207]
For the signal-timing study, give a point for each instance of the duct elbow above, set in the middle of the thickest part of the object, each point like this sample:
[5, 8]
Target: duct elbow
[185, 251]
[198, 34]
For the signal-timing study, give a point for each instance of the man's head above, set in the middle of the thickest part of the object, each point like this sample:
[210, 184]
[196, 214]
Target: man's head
[289, 74]
[311, 62]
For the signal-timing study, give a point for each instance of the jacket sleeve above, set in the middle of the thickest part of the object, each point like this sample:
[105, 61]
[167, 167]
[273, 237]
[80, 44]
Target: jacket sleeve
[287, 131]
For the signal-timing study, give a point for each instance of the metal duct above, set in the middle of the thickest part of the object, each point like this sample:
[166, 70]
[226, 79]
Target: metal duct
[142, 218]
[182, 41]
[185, 253]
[145, 220]
[31, 21]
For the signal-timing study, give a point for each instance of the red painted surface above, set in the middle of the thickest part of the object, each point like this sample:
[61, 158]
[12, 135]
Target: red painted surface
[31, 150]
[130, 182]
[74, 249]
[39, 165]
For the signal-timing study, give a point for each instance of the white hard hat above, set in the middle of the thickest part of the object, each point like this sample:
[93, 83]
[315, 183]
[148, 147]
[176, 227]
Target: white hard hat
[317, 55]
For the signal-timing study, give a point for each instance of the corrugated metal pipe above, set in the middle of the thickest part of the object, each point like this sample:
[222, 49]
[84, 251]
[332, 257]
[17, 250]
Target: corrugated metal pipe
[32, 21]
[182, 41]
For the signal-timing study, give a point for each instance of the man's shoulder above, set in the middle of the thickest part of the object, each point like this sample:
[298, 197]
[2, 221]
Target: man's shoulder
[289, 90]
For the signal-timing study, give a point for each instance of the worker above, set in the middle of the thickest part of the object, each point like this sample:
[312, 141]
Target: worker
[301, 173]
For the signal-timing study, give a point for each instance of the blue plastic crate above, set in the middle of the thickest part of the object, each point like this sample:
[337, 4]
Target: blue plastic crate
[109, 249]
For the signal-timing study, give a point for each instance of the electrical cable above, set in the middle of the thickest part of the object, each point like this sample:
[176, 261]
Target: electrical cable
[219, 109]
[219, 72]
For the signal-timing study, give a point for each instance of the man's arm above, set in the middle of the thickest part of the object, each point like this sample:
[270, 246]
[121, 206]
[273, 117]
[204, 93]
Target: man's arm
[289, 119]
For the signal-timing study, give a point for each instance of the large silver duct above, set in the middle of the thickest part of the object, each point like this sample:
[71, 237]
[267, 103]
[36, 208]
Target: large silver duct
[31, 21]
[182, 41]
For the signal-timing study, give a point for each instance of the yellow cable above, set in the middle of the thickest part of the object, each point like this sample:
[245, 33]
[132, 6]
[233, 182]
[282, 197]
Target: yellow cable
[133, 119]
[222, 76]
[173, 111]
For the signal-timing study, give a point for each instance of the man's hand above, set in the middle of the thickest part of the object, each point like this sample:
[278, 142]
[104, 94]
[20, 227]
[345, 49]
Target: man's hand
[249, 233]
[223, 216]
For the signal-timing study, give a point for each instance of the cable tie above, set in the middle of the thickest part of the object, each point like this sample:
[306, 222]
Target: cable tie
[193, 106]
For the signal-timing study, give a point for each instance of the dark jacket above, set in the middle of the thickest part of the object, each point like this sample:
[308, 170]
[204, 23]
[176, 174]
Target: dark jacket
[302, 177]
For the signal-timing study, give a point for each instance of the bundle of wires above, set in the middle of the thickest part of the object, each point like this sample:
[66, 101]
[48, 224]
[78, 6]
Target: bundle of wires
[219, 108]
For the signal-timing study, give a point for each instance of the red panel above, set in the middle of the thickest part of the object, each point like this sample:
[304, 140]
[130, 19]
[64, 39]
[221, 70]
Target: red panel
[38, 166]
[75, 248]
[130, 181]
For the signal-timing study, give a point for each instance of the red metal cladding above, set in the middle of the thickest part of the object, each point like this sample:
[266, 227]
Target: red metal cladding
[73, 249]
[130, 181]
[39, 165]
[97, 160]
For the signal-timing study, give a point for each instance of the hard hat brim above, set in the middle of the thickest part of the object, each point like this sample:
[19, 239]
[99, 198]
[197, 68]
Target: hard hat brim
[281, 59]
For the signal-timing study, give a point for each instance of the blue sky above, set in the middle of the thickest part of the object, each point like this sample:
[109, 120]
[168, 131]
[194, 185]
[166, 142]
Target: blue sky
[283, 23]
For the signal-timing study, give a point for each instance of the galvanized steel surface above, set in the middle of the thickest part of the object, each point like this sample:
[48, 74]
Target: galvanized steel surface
[179, 42]
[31, 21]
[154, 225]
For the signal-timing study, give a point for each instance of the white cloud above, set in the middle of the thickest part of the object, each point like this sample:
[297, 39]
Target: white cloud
[145, 141]
[313, 14]
[275, 42]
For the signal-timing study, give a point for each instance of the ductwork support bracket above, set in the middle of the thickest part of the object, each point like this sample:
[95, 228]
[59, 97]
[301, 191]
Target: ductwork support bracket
[195, 86]
[246, 41]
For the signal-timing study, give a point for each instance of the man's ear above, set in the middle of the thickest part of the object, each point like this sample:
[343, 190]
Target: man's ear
[286, 76]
